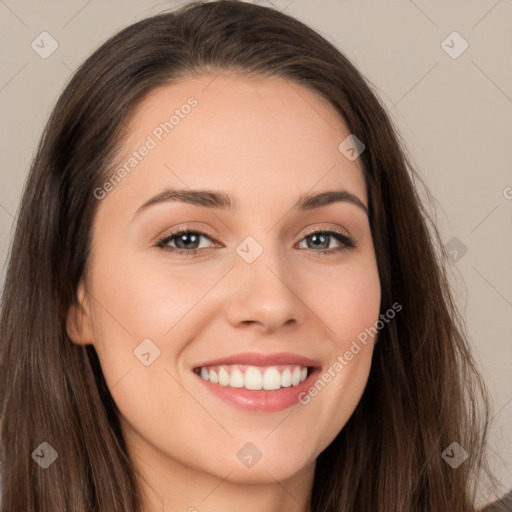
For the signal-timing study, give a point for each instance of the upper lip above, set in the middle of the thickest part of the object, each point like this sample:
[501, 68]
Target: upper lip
[258, 359]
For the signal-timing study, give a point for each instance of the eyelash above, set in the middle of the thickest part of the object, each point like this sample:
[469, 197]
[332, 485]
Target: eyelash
[346, 241]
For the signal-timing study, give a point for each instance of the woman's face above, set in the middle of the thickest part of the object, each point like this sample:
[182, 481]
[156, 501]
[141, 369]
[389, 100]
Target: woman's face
[258, 284]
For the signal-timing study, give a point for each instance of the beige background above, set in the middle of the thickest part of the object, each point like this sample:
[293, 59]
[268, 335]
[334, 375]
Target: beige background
[455, 115]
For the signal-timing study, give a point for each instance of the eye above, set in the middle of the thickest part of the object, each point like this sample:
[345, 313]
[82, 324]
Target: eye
[188, 241]
[187, 238]
[322, 238]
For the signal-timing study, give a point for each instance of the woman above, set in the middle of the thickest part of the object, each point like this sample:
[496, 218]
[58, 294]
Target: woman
[140, 372]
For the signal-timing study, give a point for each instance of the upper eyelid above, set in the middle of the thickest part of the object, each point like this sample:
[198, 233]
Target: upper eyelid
[179, 231]
[203, 231]
[327, 229]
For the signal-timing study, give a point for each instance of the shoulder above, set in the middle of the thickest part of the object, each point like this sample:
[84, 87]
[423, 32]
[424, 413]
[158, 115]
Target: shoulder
[502, 505]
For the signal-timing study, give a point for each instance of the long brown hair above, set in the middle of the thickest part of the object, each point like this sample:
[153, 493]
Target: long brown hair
[423, 390]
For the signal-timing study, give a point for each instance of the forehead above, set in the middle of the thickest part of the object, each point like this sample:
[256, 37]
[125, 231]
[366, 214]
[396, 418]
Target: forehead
[259, 139]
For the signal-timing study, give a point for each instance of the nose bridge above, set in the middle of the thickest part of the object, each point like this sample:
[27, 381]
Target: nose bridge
[262, 287]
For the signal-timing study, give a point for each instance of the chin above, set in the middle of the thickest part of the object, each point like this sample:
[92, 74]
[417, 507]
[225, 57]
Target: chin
[269, 469]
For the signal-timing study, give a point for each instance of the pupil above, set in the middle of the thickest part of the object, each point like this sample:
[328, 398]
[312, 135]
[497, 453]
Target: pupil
[185, 236]
[315, 237]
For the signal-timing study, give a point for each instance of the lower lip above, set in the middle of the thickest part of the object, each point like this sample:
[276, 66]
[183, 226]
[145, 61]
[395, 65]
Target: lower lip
[262, 400]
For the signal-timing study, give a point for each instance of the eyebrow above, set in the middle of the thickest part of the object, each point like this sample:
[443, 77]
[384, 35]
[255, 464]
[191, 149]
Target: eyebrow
[221, 200]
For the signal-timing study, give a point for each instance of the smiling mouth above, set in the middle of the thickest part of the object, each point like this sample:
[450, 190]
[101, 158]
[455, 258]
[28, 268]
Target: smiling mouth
[255, 378]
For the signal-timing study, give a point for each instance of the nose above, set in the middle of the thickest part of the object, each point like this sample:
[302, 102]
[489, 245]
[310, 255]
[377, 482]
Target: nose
[265, 293]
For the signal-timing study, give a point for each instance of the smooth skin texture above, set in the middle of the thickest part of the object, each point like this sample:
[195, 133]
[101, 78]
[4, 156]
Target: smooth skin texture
[264, 142]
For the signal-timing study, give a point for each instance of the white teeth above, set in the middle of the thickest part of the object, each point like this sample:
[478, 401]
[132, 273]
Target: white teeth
[254, 377]
[286, 378]
[295, 376]
[213, 377]
[236, 379]
[223, 377]
[271, 379]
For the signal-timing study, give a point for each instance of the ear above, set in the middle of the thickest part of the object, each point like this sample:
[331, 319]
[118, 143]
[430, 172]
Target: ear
[79, 320]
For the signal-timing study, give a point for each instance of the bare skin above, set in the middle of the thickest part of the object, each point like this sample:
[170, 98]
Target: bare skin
[264, 142]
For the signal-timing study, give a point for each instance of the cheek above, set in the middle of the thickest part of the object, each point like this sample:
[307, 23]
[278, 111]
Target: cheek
[137, 300]
[145, 299]
[349, 308]
[349, 301]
